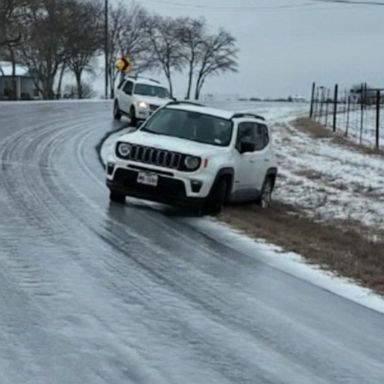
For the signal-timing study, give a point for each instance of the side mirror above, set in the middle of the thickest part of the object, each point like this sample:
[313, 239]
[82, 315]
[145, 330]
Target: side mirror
[246, 146]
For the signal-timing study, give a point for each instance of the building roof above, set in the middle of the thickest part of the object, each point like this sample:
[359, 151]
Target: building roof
[6, 69]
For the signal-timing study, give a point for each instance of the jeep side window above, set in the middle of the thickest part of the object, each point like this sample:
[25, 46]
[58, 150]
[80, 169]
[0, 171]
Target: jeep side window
[261, 137]
[265, 135]
[128, 88]
[254, 133]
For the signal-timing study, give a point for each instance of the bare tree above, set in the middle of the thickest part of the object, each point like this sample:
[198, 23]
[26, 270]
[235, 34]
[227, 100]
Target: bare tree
[10, 35]
[164, 37]
[218, 55]
[128, 38]
[82, 39]
[43, 48]
[191, 34]
[8, 11]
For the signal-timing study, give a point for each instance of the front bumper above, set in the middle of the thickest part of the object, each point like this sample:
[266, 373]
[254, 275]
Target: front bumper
[168, 190]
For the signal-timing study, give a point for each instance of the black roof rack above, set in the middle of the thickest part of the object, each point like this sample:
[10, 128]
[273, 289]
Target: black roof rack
[178, 102]
[238, 115]
[136, 77]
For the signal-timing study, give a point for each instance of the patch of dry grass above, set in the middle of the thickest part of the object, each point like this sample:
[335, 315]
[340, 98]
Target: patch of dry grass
[344, 249]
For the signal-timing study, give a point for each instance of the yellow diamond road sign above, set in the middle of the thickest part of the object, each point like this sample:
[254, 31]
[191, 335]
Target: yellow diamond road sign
[124, 64]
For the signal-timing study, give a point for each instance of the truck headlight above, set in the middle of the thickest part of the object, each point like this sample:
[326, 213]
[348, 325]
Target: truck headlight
[192, 163]
[124, 149]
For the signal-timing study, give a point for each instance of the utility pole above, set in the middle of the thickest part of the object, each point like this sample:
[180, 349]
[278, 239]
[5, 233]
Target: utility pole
[106, 33]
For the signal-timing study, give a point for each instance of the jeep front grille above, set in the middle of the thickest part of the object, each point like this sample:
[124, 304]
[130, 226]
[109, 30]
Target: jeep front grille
[155, 156]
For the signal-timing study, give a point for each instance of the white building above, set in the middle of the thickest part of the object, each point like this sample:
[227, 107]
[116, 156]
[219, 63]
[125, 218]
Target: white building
[25, 84]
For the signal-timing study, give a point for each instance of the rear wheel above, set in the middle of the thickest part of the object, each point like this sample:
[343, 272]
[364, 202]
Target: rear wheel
[116, 111]
[265, 199]
[132, 115]
[116, 197]
[216, 199]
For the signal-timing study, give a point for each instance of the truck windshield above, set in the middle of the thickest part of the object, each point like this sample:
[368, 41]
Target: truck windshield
[190, 125]
[151, 90]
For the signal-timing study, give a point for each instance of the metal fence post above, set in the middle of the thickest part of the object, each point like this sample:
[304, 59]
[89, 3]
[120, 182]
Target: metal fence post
[348, 112]
[362, 101]
[312, 100]
[321, 103]
[326, 106]
[378, 104]
[335, 107]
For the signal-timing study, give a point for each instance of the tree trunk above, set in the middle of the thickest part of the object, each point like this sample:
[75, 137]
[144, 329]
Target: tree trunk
[60, 84]
[200, 87]
[197, 90]
[112, 82]
[170, 84]
[49, 94]
[79, 85]
[190, 78]
[14, 81]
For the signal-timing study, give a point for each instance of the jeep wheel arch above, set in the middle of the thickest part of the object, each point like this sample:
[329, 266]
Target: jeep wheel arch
[272, 173]
[229, 175]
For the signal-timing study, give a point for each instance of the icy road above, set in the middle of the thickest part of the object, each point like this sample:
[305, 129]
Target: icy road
[92, 293]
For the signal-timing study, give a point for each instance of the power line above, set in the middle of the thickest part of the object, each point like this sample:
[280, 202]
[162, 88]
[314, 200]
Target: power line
[232, 8]
[351, 2]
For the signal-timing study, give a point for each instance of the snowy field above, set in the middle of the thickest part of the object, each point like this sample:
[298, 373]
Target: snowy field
[329, 181]
[326, 180]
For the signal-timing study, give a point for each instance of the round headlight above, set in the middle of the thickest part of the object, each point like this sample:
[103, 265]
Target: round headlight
[143, 104]
[124, 149]
[191, 162]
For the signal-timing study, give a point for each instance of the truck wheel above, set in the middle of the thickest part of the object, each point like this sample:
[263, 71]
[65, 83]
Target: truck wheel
[216, 198]
[116, 197]
[132, 115]
[265, 199]
[116, 111]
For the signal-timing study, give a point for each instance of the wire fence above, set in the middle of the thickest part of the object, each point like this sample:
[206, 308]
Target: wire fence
[356, 113]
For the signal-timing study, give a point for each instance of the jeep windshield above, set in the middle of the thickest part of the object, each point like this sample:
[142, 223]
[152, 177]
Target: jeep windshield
[190, 125]
[151, 90]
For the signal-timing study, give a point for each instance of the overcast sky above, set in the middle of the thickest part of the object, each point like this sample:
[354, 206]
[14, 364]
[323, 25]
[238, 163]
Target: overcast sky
[286, 44]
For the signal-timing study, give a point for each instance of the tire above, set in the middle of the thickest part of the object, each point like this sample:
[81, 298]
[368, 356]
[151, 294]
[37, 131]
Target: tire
[116, 197]
[132, 115]
[265, 199]
[116, 111]
[216, 199]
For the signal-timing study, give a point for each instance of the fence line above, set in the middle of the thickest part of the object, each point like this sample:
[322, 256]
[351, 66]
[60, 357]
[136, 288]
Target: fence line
[356, 112]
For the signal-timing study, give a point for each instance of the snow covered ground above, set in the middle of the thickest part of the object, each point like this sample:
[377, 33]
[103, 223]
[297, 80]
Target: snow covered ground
[326, 180]
[329, 181]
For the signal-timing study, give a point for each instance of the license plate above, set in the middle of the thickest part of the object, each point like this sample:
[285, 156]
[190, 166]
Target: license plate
[147, 178]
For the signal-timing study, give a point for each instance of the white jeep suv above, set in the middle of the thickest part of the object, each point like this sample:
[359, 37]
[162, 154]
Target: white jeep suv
[138, 98]
[187, 154]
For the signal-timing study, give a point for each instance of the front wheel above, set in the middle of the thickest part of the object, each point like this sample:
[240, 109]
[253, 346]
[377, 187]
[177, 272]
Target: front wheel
[132, 115]
[265, 199]
[116, 111]
[116, 197]
[216, 198]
